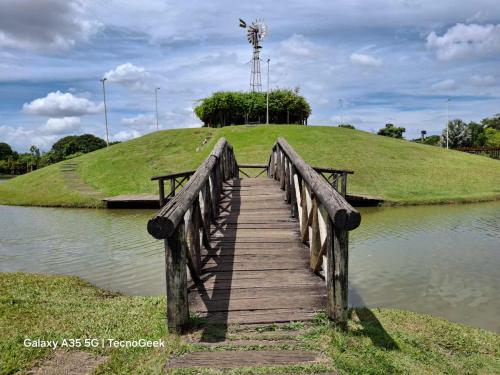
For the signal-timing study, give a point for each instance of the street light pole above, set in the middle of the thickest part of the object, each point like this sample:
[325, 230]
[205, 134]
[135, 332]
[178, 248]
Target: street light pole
[267, 98]
[447, 122]
[156, 100]
[105, 110]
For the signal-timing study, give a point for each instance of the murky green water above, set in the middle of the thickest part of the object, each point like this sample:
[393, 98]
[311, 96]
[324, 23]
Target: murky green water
[441, 260]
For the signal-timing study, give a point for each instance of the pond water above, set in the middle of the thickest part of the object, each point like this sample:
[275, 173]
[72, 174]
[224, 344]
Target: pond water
[440, 260]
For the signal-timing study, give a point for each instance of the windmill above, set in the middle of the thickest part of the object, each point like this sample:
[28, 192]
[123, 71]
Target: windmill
[255, 33]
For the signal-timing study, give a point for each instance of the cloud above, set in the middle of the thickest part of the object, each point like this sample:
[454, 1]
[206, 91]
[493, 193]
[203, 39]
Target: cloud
[44, 24]
[126, 135]
[483, 81]
[22, 138]
[367, 60]
[465, 41]
[298, 45]
[139, 120]
[129, 75]
[447, 84]
[64, 125]
[58, 104]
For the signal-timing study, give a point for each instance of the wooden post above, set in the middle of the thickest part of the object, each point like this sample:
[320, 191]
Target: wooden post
[176, 276]
[161, 190]
[343, 189]
[293, 196]
[336, 275]
[172, 187]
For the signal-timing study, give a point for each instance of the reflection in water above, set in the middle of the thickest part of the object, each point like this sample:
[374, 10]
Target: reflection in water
[441, 260]
[109, 248]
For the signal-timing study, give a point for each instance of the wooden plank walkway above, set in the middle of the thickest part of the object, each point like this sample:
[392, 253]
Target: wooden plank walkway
[258, 268]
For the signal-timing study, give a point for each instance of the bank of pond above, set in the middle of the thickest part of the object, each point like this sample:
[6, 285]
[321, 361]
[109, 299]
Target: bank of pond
[440, 260]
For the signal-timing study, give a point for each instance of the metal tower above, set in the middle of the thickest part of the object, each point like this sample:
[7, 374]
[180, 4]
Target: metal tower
[255, 33]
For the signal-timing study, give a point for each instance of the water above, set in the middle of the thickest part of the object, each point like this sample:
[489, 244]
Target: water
[109, 248]
[440, 260]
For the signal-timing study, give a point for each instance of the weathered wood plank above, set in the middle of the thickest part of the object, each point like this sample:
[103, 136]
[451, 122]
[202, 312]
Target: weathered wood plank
[234, 359]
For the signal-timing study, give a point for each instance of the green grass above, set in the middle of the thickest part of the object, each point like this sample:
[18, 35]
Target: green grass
[381, 341]
[398, 171]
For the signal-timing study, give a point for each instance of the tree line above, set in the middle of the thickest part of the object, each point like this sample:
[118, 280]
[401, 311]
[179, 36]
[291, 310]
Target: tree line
[485, 133]
[12, 162]
[286, 106]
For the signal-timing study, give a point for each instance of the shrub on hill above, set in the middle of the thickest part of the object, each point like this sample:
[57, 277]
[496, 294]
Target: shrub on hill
[234, 108]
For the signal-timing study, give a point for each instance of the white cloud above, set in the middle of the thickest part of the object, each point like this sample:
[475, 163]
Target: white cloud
[22, 138]
[45, 24]
[447, 84]
[129, 75]
[367, 60]
[126, 135]
[465, 41]
[483, 81]
[62, 125]
[139, 120]
[58, 104]
[298, 45]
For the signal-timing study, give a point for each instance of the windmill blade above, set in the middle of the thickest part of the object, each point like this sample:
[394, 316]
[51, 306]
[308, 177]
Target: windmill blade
[243, 23]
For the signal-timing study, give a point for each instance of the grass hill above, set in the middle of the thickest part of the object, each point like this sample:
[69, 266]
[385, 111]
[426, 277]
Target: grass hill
[396, 170]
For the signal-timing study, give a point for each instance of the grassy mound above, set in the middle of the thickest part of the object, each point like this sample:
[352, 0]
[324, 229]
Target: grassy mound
[379, 341]
[396, 170]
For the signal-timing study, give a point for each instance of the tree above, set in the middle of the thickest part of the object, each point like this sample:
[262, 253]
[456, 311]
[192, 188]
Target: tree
[492, 123]
[5, 151]
[346, 126]
[459, 134]
[232, 108]
[392, 131]
[477, 134]
[492, 137]
[73, 144]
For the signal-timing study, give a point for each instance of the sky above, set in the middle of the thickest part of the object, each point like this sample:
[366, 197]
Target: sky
[367, 63]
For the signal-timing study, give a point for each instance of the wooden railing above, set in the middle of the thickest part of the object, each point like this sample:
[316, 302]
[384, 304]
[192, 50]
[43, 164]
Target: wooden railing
[325, 219]
[176, 181]
[184, 223]
[492, 152]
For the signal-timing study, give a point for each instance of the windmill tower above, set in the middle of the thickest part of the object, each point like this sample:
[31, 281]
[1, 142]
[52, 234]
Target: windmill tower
[255, 33]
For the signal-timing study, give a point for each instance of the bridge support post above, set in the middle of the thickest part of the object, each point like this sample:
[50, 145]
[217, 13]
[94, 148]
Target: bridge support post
[336, 275]
[176, 276]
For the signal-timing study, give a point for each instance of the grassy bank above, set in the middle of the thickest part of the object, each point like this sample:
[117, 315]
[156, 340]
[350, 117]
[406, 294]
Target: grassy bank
[396, 170]
[379, 341]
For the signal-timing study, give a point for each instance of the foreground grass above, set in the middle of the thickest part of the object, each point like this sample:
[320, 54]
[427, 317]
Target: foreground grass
[379, 342]
[399, 171]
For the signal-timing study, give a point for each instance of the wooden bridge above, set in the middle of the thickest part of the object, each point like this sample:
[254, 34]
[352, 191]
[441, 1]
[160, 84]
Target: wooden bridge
[255, 250]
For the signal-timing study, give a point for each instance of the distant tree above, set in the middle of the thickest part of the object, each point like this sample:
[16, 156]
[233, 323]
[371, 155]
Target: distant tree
[477, 134]
[73, 144]
[392, 131]
[5, 151]
[234, 108]
[459, 134]
[347, 126]
[492, 123]
[432, 140]
[492, 137]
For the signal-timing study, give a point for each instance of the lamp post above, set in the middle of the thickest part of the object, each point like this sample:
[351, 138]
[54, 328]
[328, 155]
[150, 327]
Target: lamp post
[447, 122]
[156, 100]
[267, 98]
[105, 110]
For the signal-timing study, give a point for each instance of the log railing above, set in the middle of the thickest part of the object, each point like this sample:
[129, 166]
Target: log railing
[325, 219]
[184, 223]
[176, 181]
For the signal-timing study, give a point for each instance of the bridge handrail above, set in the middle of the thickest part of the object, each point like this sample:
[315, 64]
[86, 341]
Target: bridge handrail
[184, 223]
[343, 215]
[325, 220]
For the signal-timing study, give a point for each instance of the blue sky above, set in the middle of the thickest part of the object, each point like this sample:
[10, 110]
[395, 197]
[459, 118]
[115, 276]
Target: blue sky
[388, 60]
